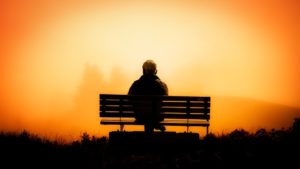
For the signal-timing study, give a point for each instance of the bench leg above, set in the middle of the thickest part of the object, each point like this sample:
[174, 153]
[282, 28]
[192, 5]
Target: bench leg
[148, 128]
[121, 127]
[207, 130]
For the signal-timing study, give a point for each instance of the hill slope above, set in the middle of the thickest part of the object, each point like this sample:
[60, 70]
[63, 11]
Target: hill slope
[229, 113]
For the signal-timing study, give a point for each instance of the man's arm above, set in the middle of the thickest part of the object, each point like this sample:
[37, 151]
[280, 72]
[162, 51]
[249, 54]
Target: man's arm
[165, 87]
[132, 89]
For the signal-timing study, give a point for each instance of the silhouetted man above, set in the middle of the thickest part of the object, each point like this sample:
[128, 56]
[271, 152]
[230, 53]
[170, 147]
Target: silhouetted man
[148, 84]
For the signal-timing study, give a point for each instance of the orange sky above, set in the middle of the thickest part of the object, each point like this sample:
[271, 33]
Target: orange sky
[57, 56]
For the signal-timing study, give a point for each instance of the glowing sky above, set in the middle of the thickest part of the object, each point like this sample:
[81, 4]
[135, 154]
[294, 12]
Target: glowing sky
[57, 56]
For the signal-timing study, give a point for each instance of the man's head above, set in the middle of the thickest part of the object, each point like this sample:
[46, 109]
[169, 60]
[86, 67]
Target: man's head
[149, 68]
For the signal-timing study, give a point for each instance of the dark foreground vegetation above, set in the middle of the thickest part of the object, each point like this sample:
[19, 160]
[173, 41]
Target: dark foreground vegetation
[239, 149]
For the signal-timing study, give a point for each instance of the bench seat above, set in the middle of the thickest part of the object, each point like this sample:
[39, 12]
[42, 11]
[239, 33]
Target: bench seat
[165, 122]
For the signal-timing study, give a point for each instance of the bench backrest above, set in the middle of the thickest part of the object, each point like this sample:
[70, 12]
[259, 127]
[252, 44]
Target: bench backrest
[172, 107]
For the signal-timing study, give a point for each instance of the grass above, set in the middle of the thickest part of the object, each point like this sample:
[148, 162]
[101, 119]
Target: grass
[238, 149]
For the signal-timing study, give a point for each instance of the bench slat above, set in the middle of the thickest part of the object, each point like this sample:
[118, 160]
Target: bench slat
[184, 104]
[184, 116]
[164, 103]
[165, 115]
[115, 108]
[184, 98]
[167, 98]
[167, 123]
[179, 109]
[115, 102]
[163, 109]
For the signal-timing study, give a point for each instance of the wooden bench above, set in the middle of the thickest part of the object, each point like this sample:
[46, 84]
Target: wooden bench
[176, 110]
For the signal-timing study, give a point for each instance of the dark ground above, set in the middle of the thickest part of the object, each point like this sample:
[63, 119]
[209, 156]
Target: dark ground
[239, 149]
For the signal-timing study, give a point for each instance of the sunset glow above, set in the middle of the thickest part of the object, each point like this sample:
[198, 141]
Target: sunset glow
[57, 56]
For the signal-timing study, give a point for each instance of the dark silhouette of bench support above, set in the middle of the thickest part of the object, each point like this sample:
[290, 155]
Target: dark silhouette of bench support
[176, 110]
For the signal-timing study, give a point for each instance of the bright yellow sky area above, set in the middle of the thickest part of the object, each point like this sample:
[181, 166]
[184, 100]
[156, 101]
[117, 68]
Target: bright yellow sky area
[57, 56]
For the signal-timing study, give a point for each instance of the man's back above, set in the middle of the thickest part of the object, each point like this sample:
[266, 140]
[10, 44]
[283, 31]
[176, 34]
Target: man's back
[148, 84]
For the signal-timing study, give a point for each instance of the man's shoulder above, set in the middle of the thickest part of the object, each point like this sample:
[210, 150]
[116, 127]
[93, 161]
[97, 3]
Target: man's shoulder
[163, 86]
[160, 82]
[135, 83]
